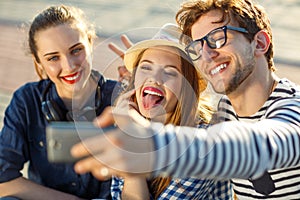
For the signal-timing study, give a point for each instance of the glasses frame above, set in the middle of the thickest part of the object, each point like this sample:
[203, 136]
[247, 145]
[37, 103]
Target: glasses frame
[205, 38]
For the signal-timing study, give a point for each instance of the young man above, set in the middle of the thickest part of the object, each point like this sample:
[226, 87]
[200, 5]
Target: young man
[258, 145]
[232, 45]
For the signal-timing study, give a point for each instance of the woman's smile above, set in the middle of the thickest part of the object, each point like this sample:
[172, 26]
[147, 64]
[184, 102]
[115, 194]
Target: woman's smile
[72, 78]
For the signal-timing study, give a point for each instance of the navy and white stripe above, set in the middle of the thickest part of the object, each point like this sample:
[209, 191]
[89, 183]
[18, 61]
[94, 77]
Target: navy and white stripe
[242, 147]
[186, 188]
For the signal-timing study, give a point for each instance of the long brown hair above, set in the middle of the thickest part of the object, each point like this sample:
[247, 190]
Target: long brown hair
[188, 111]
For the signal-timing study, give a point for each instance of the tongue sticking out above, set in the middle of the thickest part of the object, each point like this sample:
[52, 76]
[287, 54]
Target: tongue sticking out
[150, 101]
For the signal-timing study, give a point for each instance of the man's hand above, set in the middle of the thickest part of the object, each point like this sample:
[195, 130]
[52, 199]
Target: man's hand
[125, 151]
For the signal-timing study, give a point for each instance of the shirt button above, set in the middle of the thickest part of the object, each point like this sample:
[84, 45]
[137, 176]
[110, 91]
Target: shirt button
[73, 184]
[41, 143]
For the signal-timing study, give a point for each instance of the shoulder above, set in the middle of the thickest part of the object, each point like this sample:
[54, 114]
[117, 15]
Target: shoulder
[26, 99]
[110, 83]
[285, 98]
[285, 91]
[109, 86]
[31, 89]
[287, 88]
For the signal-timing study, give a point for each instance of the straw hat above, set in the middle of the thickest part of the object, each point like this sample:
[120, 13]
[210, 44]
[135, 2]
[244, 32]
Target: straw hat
[168, 35]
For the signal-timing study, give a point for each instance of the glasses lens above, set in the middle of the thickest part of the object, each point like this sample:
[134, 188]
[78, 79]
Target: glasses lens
[216, 39]
[194, 50]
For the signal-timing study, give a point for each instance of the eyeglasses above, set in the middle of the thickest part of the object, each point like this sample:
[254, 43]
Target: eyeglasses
[215, 39]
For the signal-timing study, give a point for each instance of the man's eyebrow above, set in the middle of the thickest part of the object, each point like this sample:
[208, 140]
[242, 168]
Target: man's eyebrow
[79, 43]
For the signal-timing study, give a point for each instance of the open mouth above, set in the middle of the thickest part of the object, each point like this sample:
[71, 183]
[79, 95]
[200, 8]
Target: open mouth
[152, 97]
[218, 69]
[73, 78]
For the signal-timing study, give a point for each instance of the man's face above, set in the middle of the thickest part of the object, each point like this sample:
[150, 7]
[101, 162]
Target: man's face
[227, 67]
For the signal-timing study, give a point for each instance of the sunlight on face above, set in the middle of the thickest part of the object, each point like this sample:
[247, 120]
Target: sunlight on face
[158, 82]
[65, 56]
[227, 67]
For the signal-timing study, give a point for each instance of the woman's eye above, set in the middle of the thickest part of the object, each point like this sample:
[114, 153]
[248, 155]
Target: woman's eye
[52, 58]
[171, 73]
[145, 67]
[76, 51]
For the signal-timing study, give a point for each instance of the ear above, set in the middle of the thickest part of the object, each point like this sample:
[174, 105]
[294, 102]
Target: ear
[38, 68]
[262, 42]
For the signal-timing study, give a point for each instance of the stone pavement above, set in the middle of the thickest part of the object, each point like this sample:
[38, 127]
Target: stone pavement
[116, 17]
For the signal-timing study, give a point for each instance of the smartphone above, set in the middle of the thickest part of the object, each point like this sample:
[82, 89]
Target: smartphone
[61, 136]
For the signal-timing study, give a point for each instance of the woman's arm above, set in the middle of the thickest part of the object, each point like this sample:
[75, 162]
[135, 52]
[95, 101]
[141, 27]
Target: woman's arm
[135, 188]
[25, 189]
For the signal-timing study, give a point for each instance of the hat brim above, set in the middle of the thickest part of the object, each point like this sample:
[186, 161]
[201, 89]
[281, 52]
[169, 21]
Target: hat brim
[132, 53]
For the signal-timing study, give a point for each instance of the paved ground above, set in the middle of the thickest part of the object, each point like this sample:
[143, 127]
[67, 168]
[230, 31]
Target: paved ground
[116, 17]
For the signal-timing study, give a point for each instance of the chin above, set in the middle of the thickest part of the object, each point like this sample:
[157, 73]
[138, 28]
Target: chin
[158, 117]
[220, 88]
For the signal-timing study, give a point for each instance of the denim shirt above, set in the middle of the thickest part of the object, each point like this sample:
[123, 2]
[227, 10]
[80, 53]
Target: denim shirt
[23, 139]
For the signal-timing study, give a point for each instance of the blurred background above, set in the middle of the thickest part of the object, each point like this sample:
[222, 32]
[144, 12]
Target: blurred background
[135, 18]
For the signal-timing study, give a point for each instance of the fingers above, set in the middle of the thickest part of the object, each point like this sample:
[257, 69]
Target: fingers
[122, 70]
[86, 147]
[105, 119]
[91, 145]
[116, 49]
[101, 164]
[126, 41]
[120, 151]
[120, 52]
[124, 74]
[113, 161]
[92, 165]
[138, 118]
[125, 102]
[124, 98]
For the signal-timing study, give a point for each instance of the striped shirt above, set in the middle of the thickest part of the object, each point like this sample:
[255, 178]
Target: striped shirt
[240, 148]
[185, 188]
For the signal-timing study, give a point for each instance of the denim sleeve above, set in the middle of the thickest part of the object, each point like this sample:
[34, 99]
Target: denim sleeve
[12, 140]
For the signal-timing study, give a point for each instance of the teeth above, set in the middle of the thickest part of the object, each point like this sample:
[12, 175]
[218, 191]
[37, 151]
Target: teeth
[72, 78]
[217, 69]
[151, 92]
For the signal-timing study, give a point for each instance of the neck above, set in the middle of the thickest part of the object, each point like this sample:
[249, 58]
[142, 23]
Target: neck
[252, 94]
[83, 98]
[161, 118]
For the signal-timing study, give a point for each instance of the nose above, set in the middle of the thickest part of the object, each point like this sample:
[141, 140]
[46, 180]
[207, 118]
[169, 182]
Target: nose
[156, 77]
[68, 64]
[208, 54]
